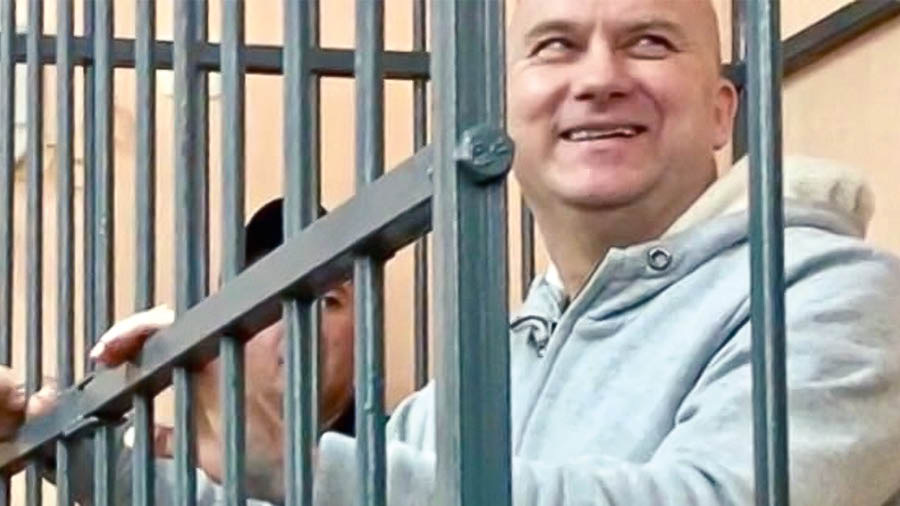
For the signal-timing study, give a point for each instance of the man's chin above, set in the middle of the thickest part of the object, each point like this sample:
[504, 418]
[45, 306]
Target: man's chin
[600, 199]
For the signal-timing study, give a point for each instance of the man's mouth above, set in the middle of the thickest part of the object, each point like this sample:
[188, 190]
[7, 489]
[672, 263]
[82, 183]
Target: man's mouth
[585, 134]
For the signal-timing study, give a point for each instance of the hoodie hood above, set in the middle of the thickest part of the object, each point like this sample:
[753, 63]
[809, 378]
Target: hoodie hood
[807, 181]
[814, 183]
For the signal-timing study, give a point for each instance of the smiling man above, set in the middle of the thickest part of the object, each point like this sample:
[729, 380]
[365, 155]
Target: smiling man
[630, 359]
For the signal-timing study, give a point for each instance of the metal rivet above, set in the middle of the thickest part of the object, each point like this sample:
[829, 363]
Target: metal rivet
[659, 258]
[486, 152]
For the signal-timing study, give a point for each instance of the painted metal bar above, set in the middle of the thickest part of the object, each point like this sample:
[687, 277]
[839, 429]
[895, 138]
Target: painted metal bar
[189, 230]
[369, 271]
[104, 172]
[104, 214]
[259, 59]
[770, 429]
[201, 145]
[420, 138]
[143, 490]
[104, 465]
[145, 154]
[7, 169]
[301, 204]
[472, 156]
[386, 216]
[90, 333]
[738, 51]
[65, 225]
[65, 152]
[143, 468]
[527, 241]
[801, 50]
[34, 265]
[231, 349]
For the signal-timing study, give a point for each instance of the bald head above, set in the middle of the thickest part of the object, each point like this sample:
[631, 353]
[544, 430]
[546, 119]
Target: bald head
[617, 108]
[698, 17]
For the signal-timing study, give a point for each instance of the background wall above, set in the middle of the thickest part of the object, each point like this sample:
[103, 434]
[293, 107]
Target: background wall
[843, 108]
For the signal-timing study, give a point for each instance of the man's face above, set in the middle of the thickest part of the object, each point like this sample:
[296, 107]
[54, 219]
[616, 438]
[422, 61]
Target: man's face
[337, 357]
[264, 363]
[614, 102]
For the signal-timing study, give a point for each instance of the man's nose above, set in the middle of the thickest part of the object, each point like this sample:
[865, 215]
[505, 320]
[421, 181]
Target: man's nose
[601, 76]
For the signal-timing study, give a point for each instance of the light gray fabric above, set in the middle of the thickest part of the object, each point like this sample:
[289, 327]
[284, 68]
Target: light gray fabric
[209, 493]
[643, 393]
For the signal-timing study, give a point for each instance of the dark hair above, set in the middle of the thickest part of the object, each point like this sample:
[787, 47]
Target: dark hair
[265, 230]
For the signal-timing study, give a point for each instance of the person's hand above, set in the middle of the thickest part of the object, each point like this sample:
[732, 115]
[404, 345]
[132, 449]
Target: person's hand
[16, 407]
[122, 342]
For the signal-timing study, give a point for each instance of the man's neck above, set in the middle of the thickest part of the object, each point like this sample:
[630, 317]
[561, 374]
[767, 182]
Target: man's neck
[579, 239]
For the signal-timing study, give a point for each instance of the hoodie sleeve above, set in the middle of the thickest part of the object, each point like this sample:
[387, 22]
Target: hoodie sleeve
[843, 401]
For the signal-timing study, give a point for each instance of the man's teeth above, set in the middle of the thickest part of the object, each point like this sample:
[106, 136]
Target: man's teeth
[589, 134]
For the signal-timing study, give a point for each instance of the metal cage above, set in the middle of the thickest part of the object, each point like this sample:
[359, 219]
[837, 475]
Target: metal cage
[453, 186]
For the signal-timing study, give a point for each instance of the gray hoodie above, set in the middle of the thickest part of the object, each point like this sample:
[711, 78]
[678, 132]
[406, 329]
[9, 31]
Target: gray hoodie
[638, 391]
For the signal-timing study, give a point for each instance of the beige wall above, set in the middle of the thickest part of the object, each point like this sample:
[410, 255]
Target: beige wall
[841, 108]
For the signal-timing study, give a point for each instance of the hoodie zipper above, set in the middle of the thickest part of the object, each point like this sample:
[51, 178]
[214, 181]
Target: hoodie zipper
[552, 328]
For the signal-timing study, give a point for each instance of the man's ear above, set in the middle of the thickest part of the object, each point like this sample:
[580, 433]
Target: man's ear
[724, 110]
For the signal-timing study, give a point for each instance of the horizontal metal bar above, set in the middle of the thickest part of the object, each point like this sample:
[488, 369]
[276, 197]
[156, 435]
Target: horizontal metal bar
[836, 30]
[830, 33]
[800, 50]
[259, 59]
[384, 217]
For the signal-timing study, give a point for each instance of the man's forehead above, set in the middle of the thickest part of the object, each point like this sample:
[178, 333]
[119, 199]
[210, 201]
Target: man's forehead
[693, 14]
[697, 18]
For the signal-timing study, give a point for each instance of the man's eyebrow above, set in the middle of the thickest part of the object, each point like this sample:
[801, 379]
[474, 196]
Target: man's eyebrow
[644, 24]
[550, 26]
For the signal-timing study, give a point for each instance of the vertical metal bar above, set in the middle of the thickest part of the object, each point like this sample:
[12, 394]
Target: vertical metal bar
[472, 368]
[368, 271]
[65, 150]
[65, 309]
[104, 214]
[301, 204]
[738, 50]
[420, 134]
[7, 168]
[764, 77]
[190, 232]
[90, 332]
[103, 165]
[34, 230]
[104, 465]
[201, 145]
[143, 476]
[231, 349]
[527, 242]
[145, 156]
[143, 469]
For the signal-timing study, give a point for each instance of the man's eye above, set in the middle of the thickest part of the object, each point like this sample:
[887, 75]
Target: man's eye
[550, 48]
[652, 46]
[331, 302]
